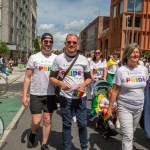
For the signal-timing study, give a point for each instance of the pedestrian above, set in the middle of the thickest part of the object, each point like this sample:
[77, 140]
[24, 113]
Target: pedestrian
[98, 68]
[72, 94]
[129, 83]
[42, 96]
[112, 66]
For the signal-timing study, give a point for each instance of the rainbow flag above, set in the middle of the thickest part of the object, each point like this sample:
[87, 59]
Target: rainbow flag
[95, 106]
[77, 93]
[107, 116]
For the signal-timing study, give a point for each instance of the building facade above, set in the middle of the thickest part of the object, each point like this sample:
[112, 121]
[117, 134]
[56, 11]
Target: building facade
[90, 35]
[129, 22]
[18, 26]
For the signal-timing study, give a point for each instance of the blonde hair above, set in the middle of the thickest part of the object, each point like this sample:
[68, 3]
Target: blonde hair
[128, 50]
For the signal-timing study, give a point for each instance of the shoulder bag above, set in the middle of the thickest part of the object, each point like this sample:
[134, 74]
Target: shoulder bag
[58, 88]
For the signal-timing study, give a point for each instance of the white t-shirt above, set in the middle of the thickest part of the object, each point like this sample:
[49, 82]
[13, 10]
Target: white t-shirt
[98, 68]
[104, 101]
[132, 83]
[112, 69]
[40, 84]
[75, 75]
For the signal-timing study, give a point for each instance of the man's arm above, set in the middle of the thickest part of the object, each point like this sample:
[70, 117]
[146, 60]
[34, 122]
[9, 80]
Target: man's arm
[27, 78]
[54, 80]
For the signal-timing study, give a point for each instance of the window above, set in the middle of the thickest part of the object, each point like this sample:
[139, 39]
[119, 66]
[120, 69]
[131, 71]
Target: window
[11, 35]
[121, 7]
[137, 21]
[114, 15]
[138, 5]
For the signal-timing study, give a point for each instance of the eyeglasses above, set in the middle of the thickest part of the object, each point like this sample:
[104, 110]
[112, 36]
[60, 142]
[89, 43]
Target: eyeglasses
[46, 42]
[69, 42]
[97, 52]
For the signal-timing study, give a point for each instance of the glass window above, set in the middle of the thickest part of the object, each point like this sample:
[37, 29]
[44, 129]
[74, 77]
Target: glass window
[137, 21]
[114, 15]
[121, 7]
[138, 5]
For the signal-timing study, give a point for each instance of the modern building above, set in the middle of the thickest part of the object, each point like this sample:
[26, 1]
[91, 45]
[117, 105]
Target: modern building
[129, 22]
[90, 35]
[18, 27]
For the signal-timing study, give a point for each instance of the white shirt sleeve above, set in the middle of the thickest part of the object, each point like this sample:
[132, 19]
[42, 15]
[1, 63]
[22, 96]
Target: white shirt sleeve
[30, 63]
[118, 77]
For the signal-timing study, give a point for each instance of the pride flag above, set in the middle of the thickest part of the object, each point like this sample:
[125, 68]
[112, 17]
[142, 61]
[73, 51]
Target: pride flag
[77, 94]
[94, 111]
[107, 116]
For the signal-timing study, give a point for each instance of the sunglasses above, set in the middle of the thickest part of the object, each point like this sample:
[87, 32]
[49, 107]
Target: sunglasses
[73, 42]
[46, 42]
[97, 52]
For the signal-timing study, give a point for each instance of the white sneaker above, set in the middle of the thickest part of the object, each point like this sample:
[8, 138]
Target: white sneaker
[117, 124]
[74, 118]
[111, 125]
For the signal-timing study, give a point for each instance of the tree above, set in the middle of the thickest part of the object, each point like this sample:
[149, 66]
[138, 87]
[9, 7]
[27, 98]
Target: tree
[3, 48]
[37, 46]
[147, 55]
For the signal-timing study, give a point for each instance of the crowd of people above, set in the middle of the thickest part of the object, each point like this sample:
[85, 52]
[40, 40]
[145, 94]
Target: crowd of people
[127, 79]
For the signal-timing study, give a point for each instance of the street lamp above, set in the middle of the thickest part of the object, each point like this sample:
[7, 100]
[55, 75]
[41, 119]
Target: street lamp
[127, 23]
[133, 22]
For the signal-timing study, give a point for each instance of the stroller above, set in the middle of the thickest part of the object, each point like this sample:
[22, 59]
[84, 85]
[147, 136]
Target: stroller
[96, 115]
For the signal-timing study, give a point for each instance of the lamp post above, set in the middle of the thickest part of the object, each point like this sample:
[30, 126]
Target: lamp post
[133, 22]
[127, 17]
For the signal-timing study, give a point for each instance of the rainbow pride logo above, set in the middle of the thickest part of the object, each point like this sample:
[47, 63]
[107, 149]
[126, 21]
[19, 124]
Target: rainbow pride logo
[77, 93]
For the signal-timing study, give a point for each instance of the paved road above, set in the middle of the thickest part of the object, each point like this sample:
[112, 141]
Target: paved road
[17, 138]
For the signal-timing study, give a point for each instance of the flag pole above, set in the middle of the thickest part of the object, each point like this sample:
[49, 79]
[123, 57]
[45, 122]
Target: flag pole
[133, 22]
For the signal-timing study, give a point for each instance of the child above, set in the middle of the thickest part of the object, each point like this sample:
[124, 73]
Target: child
[104, 103]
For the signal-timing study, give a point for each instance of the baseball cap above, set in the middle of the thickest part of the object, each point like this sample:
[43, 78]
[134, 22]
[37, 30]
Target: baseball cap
[46, 34]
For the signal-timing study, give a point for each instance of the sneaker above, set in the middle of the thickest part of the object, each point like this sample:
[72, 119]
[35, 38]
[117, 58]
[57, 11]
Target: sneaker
[31, 140]
[111, 125]
[74, 118]
[117, 124]
[44, 147]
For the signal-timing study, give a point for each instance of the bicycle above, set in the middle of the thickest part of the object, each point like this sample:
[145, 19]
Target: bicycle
[3, 85]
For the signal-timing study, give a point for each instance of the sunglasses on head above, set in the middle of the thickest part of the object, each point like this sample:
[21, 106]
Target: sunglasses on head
[97, 52]
[46, 42]
[69, 42]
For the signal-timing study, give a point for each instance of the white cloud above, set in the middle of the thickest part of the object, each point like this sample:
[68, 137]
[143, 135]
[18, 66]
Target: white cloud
[46, 27]
[75, 25]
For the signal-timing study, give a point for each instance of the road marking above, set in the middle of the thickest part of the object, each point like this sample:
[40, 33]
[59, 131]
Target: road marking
[11, 125]
[15, 79]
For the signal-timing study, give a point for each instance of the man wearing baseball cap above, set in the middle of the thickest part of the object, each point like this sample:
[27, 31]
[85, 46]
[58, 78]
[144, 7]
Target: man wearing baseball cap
[42, 96]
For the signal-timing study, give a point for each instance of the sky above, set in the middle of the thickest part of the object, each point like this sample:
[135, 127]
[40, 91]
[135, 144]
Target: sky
[61, 17]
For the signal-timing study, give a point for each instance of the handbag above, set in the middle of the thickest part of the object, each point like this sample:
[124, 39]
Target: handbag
[58, 88]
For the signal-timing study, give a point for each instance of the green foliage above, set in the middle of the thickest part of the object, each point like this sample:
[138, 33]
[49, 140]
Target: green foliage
[36, 46]
[3, 48]
[147, 54]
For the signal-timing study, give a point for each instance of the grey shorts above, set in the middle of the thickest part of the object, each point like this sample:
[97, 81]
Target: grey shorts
[39, 104]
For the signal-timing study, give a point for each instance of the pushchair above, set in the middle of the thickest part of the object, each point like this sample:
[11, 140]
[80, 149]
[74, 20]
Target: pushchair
[96, 115]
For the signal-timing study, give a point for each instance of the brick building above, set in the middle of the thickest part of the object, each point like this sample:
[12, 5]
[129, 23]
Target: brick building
[129, 22]
[90, 35]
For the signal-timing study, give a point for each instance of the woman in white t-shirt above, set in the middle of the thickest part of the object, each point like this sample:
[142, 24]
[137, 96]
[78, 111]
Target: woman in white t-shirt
[97, 68]
[129, 84]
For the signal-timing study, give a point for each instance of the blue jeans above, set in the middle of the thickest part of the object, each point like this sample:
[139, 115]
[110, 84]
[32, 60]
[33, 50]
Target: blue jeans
[67, 106]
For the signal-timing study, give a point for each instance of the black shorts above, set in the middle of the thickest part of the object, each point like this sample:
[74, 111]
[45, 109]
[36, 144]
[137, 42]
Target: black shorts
[42, 103]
